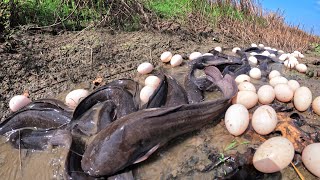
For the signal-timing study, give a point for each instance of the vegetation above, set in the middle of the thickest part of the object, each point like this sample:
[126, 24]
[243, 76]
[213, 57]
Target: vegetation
[242, 21]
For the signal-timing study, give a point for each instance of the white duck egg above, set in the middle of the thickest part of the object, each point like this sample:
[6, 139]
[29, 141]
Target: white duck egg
[195, 55]
[301, 56]
[281, 51]
[261, 45]
[295, 55]
[152, 81]
[166, 56]
[274, 73]
[253, 53]
[145, 68]
[273, 155]
[316, 105]
[293, 84]
[265, 53]
[218, 48]
[17, 102]
[283, 92]
[283, 57]
[267, 48]
[247, 98]
[234, 50]
[242, 78]
[255, 73]
[264, 120]
[274, 49]
[253, 60]
[311, 158]
[266, 94]
[272, 55]
[254, 45]
[176, 60]
[207, 54]
[301, 68]
[145, 93]
[246, 86]
[302, 98]
[236, 119]
[74, 97]
[278, 80]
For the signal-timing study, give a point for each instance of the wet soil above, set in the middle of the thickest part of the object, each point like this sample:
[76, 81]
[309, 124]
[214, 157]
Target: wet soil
[49, 66]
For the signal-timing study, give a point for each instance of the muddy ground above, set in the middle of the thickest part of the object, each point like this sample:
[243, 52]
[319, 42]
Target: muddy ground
[48, 66]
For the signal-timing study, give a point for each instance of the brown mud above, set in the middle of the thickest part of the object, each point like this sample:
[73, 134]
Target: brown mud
[49, 66]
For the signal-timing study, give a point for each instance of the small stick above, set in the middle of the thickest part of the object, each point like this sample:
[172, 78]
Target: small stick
[20, 154]
[298, 172]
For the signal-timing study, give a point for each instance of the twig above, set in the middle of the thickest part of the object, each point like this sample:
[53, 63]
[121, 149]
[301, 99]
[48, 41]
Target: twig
[20, 154]
[298, 172]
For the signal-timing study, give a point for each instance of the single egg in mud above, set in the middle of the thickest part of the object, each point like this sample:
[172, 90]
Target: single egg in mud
[236, 119]
[247, 98]
[311, 158]
[74, 97]
[254, 45]
[274, 73]
[273, 155]
[316, 105]
[145, 93]
[261, 45]
[266, 94]
[242, 78]
[302, 68]
[152, 81]
[166, 56]
[264, 120]
[17, 102]
[246, 86]
[293, 84]
[145, 68]
[302, 98]
[253, 60]
[255, 73]
[176, 60]
[235, 49]
[218, 48]
[195, 55]
[283, 92]
[278, 80]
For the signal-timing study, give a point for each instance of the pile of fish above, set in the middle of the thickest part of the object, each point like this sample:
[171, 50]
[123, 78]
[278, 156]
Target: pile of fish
[110, 129]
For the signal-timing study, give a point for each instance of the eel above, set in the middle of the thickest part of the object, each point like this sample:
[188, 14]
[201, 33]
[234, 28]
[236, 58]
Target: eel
[132, 138]
[176, 94]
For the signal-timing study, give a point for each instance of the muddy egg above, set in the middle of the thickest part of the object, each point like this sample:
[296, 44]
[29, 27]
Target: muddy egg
[311, 158]
[281, 51]
[166, 56]
[255, 73]
[266, 94]
[274, 73]
[264, 120]
[302, 98]
[195, 55]
[273, 155]
[234, 50]
[316, 105]
[265, 53]
[242, 78]
[253, 60]
[272, 55]
[267, 48]
[261, 45]
[283, 57]
[301, 68]
[301, 55]
[176, 60]
[246, 86]
[254, 45]
[218, 48]
[236, 119]
[74, 97]
[145, 68]
[17, 102]
[293, 84]
[152, 81]
[278, 80]
[145, 93]
[246, 98]
[283, 92]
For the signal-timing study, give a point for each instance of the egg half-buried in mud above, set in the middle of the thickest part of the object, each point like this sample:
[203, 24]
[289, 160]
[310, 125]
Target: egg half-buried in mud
[242, 78]
[261, 45]
[302, 98]
[255, 73]
[166, 56]
[311, 158]
[254, 45]
[145, 93]
[152, 81]
[195, 55]
[278, 80]
[283, 57]
[274, 73]
[266, 94]
[264, 120]
[17, 102]
[234, 50]
[176, 60]
[283, 92]
[246, 86]
[273, 155]
[293, 84]
[246, 98]
[302, 68]
[236, 119]
[145, 68]
[74, 97]
[218, 48]
[253, 60]
[316, 105]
